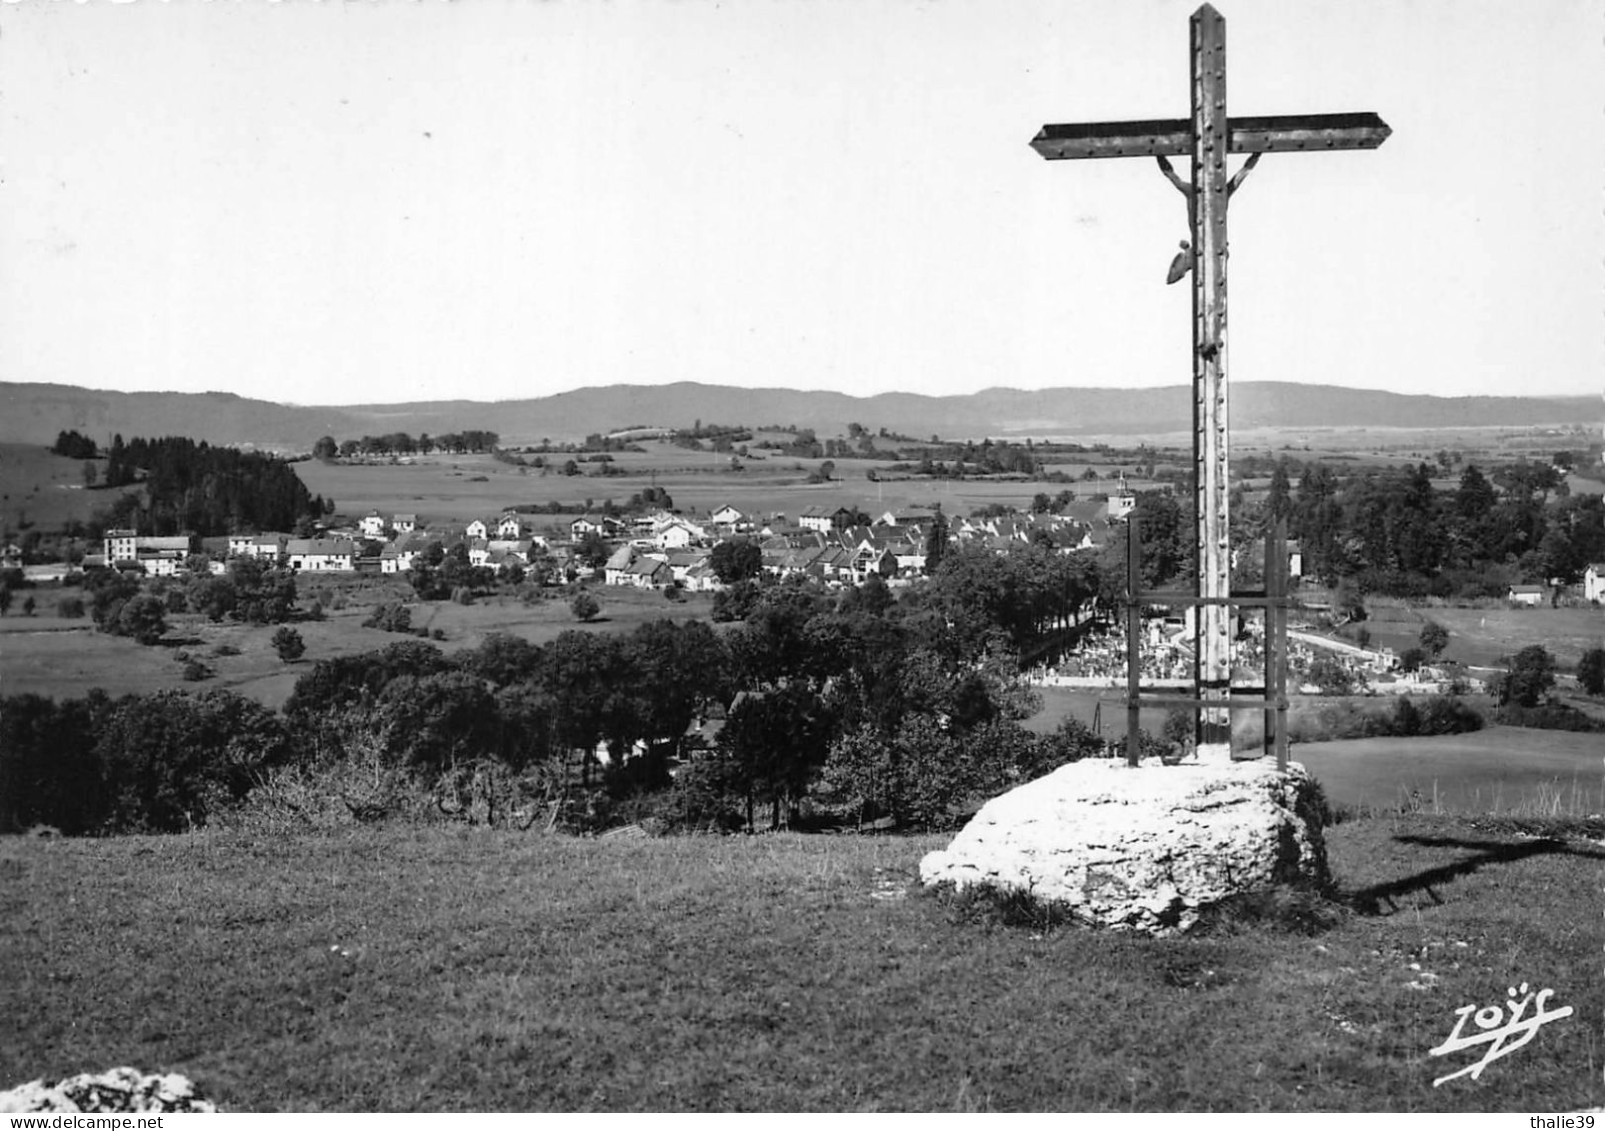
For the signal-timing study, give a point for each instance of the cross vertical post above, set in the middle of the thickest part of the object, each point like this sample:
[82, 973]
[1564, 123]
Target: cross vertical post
[1211, 622]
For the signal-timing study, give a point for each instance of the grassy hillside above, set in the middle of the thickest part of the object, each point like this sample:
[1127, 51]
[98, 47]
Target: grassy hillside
[461, 970]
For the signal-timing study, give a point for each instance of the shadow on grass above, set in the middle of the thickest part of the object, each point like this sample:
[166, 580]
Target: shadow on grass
[1380, 899]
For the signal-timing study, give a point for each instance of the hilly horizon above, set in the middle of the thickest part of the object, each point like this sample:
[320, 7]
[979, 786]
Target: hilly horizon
[36, 413]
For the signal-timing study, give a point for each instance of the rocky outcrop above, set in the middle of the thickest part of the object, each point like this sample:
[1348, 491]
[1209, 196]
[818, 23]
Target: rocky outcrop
[121, 1089]
[1145, 848]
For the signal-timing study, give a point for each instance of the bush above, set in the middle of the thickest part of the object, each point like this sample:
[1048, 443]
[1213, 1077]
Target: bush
[390, 617]
[1550, 716]
[1529, 679]
[584, 606]
[1407, 717]
[1591, 671]
[194, 671]
[288, 644]
[71, 608]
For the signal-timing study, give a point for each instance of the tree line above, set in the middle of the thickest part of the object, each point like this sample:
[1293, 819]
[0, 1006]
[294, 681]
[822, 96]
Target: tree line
[403, 444]
[1394, 531]
[191, 487]
[860, 705]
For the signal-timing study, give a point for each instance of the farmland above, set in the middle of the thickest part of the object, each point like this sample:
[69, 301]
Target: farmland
[440, 489]
[1483, 635]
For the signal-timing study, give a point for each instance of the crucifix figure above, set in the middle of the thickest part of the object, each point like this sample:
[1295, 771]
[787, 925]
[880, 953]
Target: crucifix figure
[1207, 138]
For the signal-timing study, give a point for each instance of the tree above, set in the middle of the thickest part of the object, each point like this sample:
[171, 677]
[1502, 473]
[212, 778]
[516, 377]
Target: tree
[1529, 678]
[144, 617]
[585, 606]
[593, 550]
[1434, 639]
[91, 473]
[776, 740]
[326, 448]
[1411, 659]
[736, 560]
[288, 644]
[1591, 671]
[1331, 675]
[936, 542]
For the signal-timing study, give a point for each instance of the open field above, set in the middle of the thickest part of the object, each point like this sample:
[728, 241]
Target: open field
[465, 970]
[446, 489]
[44, 490]
[1497, 770]
[1480, 637]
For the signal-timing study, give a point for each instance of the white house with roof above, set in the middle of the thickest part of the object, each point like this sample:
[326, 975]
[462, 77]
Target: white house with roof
[1527, 595]
[510, 528]
[479, 528]
[729, 517]
[398, 556]
[617, 569]
[649, 573]
[268, 546]
[373, 525]
[158, 555]
[676, 535]
[1594, 582]
[322, 555]
[815, 518]
[405, 523]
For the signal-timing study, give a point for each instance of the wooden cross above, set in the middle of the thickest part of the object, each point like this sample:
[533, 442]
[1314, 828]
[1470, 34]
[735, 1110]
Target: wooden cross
[1207, 138]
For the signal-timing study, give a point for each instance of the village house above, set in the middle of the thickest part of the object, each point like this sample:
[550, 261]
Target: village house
[1529, 595]
[677, 534]
[322, 555]
[617, 569]
[269, 547]
[815, 518]
[373, 525]
[510, 528]
[649, 573]
[480, 529]
[603, 525]
[405, 523]
[504, 550]
[1594, 582]
[682, 562]
[702, 579]
[159, 556]
[729, 518]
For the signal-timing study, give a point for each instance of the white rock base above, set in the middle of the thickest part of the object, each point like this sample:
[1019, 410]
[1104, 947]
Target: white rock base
[1144, 848]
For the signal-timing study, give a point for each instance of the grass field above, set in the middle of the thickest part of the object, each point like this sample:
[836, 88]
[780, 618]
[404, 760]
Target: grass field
[461, 970]
[45, 490]
[455, 489]
[1480, 637]
[1498, 770]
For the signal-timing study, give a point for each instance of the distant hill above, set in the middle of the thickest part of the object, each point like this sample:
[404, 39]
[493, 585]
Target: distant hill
[35, 413]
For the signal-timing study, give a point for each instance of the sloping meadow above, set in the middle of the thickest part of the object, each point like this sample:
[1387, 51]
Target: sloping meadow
[467, 970]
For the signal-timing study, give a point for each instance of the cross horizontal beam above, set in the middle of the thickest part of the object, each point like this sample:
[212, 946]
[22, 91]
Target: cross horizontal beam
[1173, 137]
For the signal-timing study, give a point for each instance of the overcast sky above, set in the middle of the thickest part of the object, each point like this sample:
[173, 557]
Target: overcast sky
[375, 202]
